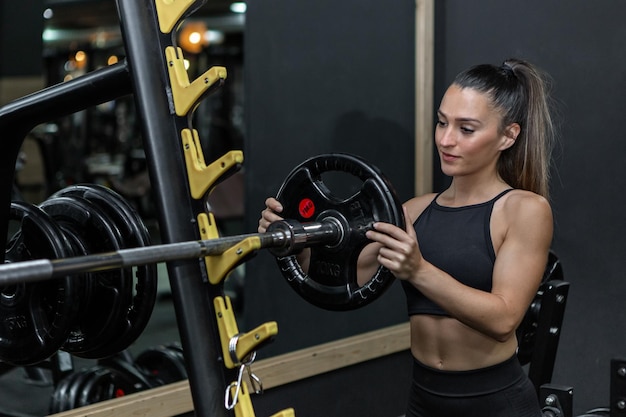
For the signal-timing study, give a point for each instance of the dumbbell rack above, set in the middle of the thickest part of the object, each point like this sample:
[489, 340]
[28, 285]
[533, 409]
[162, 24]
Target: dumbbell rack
[154, 73]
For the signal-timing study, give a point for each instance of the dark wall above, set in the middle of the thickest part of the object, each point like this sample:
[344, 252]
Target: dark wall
[321, 77]
[318, 81]
[21, 25]
[377, 388]
[581, 44]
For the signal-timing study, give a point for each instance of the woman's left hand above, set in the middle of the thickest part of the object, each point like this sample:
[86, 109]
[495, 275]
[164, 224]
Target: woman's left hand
[400, 252]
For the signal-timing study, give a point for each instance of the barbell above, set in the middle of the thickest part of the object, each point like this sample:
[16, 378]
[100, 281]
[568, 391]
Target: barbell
[331, 224]
[284, 237]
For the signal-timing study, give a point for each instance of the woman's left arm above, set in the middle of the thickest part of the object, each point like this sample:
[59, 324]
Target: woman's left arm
[522, 257]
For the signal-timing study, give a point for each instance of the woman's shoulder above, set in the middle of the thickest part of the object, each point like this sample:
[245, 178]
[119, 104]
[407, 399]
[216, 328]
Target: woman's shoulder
[518, 197]
[523, 205]
[417, 205]
[522, 216]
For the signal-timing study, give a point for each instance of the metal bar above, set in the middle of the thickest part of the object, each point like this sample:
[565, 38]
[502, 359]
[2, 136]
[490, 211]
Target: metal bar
[43, 269]
[63, 99]
[290, 235]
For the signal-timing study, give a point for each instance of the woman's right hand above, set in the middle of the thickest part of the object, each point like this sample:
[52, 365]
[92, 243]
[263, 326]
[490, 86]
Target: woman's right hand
[270, 214]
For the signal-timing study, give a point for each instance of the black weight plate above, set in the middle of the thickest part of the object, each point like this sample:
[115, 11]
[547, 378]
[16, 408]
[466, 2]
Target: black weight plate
[134, 234]
[176, 347]
[179, 353]
[75, 387]
[105, 384]
[164, 363]
[126, 366]
[37, 317]
[94, 389]
[60, 399]
[331, 281]
[109, 293]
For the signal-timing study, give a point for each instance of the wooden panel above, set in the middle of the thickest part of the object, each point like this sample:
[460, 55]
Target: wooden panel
[283, 369]
[304, 363]
[424, 79]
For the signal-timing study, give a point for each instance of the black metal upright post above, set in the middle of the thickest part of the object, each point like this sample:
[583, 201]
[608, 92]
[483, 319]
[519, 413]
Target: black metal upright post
[145, 49]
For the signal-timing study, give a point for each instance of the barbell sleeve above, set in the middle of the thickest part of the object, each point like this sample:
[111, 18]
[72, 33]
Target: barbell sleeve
[284, 237]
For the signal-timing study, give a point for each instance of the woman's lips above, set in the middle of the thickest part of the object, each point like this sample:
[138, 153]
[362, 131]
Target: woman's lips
[448, 157]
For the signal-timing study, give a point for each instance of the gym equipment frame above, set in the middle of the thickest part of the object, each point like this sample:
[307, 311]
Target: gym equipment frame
[146, 27]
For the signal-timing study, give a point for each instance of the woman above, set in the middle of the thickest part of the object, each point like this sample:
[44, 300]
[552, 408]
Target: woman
[473, 260]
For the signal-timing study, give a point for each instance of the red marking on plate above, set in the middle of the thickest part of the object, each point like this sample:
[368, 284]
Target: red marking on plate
[306, 208]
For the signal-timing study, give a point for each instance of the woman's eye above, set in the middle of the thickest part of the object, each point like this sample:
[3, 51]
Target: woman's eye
[441, 123]
[467, 130]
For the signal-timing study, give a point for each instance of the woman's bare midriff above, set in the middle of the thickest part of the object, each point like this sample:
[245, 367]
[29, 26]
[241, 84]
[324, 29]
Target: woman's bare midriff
[448, 344]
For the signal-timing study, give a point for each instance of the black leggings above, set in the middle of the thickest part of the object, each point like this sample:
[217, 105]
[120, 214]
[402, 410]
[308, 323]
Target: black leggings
[502, 390]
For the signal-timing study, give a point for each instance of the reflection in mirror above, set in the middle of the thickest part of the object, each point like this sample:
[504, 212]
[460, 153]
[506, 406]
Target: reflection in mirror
[103, 145]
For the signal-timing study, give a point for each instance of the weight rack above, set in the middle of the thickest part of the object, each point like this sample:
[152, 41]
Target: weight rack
[165, 99]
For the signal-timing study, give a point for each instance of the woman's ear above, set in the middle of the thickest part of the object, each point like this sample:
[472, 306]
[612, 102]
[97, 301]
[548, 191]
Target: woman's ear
[510, 135]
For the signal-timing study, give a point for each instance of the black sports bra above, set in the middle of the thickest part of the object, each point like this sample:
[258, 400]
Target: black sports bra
[458, 241]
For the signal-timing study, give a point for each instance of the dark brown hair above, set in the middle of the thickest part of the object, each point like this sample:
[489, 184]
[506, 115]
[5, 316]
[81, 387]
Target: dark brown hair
[519, 91]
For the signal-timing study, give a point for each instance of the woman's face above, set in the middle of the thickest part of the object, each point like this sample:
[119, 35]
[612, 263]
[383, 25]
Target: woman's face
[468, 135]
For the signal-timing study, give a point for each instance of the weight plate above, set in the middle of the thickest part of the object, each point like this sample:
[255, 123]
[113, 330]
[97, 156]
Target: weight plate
[108, 294]
[176, 347]
[134, 234]
[75, 387]
[105, 384]
[164, 363]
[36, 317]
[141, 380]
[331, 281]
[61, 399]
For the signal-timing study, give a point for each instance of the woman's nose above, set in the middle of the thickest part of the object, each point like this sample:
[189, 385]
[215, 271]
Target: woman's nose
[446, 137]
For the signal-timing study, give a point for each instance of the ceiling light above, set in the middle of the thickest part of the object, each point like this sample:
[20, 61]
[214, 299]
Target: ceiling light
[195, 37]
[214, 36]
[191, 38]
[238, 7]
